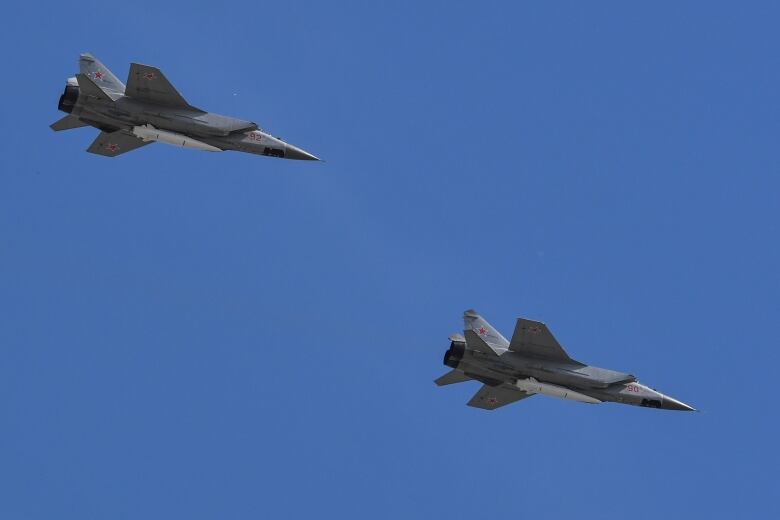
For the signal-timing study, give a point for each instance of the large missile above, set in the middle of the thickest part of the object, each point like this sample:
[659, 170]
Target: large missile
[532, 386]
[150, 133]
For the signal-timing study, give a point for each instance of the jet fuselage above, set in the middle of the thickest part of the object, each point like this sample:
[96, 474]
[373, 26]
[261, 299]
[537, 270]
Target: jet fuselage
[150, 109]
[216, 131]
[531, 374]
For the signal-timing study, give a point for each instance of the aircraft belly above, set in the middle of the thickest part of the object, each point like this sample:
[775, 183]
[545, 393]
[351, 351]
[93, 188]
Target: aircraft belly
[149, 133]
[484, 374]
[532, 386]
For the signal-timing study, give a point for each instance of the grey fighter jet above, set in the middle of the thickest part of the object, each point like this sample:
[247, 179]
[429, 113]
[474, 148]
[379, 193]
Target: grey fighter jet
[535, 363]
[150, 109]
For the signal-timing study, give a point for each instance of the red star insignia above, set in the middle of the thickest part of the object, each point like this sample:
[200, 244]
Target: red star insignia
[98, 74]
[149, 76]
[111, 147]
[482, 331]
[534, 330]
[492, 400]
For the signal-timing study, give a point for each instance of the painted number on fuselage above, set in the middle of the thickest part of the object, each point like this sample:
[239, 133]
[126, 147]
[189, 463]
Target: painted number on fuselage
[632, 388]
[254, 137]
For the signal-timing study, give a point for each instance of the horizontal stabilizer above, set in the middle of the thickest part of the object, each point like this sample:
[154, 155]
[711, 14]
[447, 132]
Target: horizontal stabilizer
[452, 377]
[111, 144]
[148, 84]
[67, 123]
[492, 397]
[533, 338]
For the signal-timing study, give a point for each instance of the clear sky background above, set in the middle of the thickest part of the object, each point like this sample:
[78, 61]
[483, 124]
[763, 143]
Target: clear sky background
[201, 336]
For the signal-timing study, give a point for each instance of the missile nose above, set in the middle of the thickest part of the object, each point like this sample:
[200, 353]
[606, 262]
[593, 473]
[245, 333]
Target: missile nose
[674, 404]
[293, 152]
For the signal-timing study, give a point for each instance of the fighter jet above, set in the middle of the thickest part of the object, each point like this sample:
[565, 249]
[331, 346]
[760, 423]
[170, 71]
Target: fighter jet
[535, 363]
[150, 109]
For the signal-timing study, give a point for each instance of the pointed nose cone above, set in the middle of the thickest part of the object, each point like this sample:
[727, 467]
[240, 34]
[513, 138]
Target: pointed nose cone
[293, 152]
[674, 404]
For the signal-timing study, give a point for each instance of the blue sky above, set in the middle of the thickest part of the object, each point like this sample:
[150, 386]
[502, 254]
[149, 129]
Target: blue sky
[193, 335]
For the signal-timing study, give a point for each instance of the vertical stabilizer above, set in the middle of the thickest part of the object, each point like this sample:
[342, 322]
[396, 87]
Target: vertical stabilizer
[101, 76]
[89, 89]
[479, 334]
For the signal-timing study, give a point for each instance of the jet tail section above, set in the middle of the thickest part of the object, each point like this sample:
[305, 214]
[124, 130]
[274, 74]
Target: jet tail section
[480, 335]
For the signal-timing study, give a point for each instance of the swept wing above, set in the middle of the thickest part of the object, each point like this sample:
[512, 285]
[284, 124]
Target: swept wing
[533, 338]
[111, 144]
[492, 397]
[149, 84]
